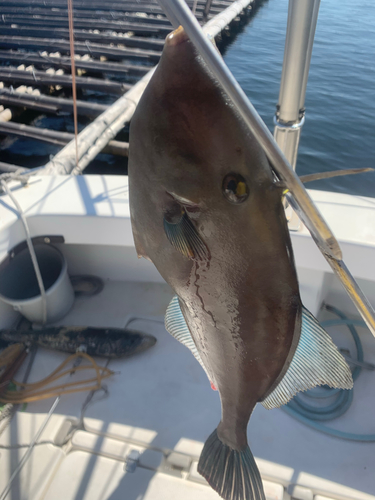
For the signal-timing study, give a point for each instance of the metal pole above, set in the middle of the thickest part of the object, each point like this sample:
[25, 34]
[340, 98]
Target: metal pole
[290, 111]
[302, 18]
[289, 118]
[180, 14]
[314, 20]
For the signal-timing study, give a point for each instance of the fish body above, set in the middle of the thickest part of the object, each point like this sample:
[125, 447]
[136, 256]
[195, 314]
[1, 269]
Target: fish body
[108, 342]
[206, 211]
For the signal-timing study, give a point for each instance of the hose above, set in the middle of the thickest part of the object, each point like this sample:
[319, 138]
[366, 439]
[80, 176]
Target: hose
[312, 415]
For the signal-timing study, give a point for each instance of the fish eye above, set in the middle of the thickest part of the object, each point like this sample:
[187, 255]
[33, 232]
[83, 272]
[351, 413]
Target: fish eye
[235, 188]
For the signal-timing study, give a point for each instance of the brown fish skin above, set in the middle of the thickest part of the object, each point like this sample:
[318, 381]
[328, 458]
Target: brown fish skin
[242, 304]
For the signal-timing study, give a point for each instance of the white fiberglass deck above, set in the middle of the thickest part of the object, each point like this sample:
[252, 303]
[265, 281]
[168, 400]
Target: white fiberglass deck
[162, 399]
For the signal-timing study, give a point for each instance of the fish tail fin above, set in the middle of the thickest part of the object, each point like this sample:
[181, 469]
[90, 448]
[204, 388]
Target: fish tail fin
[233, 474]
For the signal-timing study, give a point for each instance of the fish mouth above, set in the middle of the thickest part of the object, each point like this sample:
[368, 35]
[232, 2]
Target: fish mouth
[177, 37]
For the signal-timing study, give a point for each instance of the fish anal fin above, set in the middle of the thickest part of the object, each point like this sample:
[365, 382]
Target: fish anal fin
[316, 361]
[233, 474]
[176, 325]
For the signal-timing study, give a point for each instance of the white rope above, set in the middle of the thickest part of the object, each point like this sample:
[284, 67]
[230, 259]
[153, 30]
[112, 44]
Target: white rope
[23, 178]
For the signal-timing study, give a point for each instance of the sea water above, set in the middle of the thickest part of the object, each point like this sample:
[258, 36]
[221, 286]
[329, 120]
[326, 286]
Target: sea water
[339, 130]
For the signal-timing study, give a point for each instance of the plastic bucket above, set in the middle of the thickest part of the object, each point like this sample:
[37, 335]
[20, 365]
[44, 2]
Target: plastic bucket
[19, 286]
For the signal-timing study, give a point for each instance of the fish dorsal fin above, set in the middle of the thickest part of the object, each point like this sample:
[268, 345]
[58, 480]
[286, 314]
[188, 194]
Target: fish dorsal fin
[316, 361]
[176, 325]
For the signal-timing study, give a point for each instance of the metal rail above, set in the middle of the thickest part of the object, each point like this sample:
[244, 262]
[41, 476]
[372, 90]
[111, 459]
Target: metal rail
[179, 14]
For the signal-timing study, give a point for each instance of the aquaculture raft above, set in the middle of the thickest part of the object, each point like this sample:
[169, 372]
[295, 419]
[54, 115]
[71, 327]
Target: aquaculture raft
[116, 46]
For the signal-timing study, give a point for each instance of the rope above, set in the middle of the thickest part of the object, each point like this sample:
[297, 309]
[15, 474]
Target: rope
[101, 372]
[31, 249]
[18, 446]
[37, 391]
[312, 415]
[73, 71]
[9, 354]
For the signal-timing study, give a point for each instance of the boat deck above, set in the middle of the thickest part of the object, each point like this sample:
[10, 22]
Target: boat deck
[161, 401]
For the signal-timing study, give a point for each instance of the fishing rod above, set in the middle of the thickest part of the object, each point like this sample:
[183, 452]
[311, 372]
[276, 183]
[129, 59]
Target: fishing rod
[179, 14]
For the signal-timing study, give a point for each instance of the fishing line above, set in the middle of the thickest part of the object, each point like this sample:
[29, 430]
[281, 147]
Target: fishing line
[312, 415]
[73, 72]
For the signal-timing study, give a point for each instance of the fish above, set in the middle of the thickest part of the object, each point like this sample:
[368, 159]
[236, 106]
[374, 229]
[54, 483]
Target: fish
[105, 342]
[207, 211]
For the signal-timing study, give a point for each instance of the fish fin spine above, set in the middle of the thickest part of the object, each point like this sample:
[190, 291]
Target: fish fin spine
[233, 474]
[316, 361]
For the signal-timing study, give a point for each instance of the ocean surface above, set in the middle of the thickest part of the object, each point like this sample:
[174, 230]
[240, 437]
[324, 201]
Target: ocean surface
[339, 131]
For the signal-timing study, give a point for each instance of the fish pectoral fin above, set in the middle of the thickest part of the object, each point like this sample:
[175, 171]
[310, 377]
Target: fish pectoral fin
[334, 173]
[317, 361]
[233, 474]
[184, 237]
[176, 325]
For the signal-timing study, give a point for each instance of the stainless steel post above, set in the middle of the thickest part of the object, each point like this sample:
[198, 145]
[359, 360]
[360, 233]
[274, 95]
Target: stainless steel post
[179, 13]
[289, 118]
[302, 19]
[290, 113]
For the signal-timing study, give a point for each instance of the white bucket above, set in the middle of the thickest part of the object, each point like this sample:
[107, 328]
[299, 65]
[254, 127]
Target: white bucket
[19, 286]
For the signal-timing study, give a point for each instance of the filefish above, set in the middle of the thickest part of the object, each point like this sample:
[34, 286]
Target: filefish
[108, 342]
[206, 210]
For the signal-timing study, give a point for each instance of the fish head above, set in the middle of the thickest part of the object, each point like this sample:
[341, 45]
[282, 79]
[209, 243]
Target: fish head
[191, 155]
